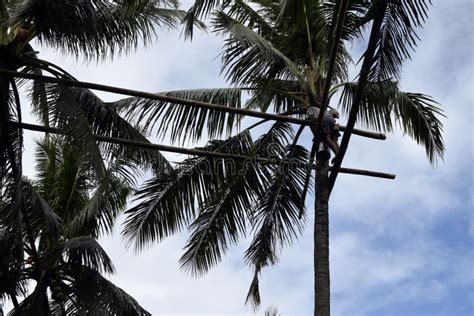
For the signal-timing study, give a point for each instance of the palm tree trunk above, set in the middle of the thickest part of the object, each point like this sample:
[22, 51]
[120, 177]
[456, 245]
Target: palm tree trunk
[321, 241]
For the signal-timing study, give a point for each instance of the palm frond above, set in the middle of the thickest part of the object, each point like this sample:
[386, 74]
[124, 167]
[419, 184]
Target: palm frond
[398, 36]
[383, 105]
[417, 115]
[355, 17]
[81, 114]
[69, 117]
[223, 214]
[376, 104]
[168, 202]
[279, 95]
[272, 311]
[95, 295]
[248, 56]
[82, 251]
[39, 102]
[62, 175]
[34, 304]
[41, 217]
[200, 9]
[101, 210]
[106, 121]
[183, 123]
[96, 29]
[253, 296]
[87, 206]
[10, 137]
[222, 217]
[276, 218]
[245, 13]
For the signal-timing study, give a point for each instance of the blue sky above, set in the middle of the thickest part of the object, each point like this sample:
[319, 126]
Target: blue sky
[402, 247]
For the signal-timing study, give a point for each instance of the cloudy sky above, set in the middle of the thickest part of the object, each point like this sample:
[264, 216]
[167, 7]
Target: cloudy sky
[402, 247]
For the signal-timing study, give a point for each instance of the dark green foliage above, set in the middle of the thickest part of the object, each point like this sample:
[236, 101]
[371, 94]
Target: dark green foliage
[67, 208]
[169, 201]
[384, 105]
[95, 295]
[96, 29]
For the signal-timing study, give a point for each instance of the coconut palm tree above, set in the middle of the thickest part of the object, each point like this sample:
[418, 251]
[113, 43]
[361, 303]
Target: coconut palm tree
[68, 209]
[280, 57]
[93, 31]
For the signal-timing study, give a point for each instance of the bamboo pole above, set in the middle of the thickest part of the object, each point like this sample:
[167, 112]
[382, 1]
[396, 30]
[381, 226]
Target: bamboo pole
[332, 59]
[363, 76]
[194, 152]
[175, 100]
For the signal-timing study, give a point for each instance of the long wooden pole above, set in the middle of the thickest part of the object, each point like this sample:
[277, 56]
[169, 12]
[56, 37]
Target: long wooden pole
[332, 60]
[175, 100]
[363, 76]
[193, 152]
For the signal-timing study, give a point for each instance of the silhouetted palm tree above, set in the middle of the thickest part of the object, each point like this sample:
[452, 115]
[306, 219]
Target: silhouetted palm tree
[93, 30]
[68, 210]
[276, 54]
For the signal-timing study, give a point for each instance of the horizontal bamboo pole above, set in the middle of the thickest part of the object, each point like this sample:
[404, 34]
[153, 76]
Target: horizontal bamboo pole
[175, 100]
[188, 151]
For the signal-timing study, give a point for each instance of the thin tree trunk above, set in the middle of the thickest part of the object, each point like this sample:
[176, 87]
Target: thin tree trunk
[321, 241]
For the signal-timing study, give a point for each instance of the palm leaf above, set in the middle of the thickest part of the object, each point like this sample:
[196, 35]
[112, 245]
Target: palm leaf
[10, 137]
[276, 216]
[181, 122]
[384, 105]
[201, 8]
[167, 203]
[247, 55]
[279, 95]
[355, 17]
[105, 121]
[96, 29]
[417, 115]
[95, 295]
[223, 214]
[398, 36]
[100, 212]
[82, 251]
[222, 217]
[40, 215]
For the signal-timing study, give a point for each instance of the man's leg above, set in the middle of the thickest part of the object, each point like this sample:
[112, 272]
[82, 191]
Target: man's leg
[334, 146]
[313, 127]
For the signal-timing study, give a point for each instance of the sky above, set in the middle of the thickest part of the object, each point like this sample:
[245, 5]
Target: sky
[402, 247]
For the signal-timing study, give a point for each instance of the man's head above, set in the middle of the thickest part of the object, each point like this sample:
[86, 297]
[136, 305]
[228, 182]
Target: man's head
[334, 113]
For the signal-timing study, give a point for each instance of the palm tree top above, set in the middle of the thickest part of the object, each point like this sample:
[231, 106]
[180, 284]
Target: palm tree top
[276, 52]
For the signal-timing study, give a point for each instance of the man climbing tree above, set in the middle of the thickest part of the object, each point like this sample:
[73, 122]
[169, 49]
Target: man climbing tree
[328, 133]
